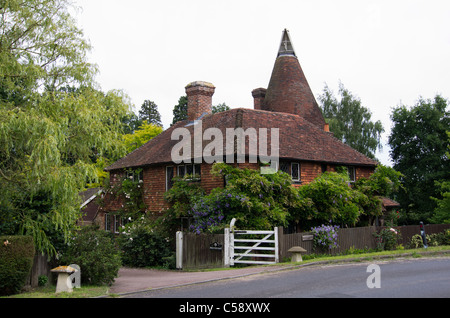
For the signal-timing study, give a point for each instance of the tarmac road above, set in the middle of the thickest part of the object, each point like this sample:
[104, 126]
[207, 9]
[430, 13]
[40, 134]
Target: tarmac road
[399, 278]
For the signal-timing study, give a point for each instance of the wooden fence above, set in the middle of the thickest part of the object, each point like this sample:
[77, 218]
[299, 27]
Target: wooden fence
[202, 250]
[41, 266]
[207, 251]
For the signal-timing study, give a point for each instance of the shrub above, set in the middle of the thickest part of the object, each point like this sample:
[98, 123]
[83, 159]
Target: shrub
[325, 237]
[16, 260]
[446, 239]
[42, 280]
[387, 239]
[416, 241]
[144, 247]
[435, 239]
[96, 254]
[333, 200]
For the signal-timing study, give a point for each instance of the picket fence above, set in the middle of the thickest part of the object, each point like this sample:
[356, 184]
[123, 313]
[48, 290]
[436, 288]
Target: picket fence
[198, 251]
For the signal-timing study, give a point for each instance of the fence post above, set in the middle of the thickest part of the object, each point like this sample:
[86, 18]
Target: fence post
[422, 233]
[280, 240]
[275, 237]
[179, 250]
[226, 248]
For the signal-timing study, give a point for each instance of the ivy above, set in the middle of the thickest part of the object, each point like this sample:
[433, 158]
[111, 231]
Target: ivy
[129, 190]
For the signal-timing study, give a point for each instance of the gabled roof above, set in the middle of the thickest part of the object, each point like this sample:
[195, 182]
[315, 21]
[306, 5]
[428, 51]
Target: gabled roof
[298, 139]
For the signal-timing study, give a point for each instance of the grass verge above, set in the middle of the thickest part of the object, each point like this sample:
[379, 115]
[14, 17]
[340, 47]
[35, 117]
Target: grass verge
[49, 292]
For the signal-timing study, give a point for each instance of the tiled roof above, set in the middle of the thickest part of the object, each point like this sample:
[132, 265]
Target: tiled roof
[288, 90]
[298, 139]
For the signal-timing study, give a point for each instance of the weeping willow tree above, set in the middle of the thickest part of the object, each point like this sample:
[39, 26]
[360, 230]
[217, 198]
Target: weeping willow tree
[55, 123]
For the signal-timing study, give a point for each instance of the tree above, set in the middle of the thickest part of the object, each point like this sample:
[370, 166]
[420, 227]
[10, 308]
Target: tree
[180, 110]
[384, 182]
[220, 108]
[54, 124]
[131, 123]
[144, 133]
[419, 144]
[442, 212]
[41, 47]
[350, 121]
[149, 112]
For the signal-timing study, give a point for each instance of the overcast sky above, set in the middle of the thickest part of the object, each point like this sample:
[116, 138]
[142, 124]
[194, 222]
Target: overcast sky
[385, 52]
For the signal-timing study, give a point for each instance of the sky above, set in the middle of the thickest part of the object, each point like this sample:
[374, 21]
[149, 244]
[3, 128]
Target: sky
[386, 53]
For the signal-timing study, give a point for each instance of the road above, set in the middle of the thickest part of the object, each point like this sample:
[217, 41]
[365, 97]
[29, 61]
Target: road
[400, 278]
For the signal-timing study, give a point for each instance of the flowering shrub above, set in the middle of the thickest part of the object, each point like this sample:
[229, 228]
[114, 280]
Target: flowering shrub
[257, 201]
[207, 214]
[387, 239]
[325, 236]
[130, 193]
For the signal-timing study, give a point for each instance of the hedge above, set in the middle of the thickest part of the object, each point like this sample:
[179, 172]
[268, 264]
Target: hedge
[16, 261]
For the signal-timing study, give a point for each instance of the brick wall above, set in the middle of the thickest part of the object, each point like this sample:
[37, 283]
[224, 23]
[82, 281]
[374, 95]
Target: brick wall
[209, 181]
[155, 184]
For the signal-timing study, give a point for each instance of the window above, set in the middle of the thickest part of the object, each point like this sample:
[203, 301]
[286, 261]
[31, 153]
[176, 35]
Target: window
[116, 223]
[107, 222]
[291, 168]
[198, 171]
[352, 173]
[181, 171]
[135, 174]
[169, 178]
[284, 166]
[295, 171]
[193, 171]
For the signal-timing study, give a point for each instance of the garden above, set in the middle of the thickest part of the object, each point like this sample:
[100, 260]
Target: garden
[258, 201]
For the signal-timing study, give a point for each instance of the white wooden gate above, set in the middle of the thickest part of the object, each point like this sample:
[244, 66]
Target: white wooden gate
[237, 251]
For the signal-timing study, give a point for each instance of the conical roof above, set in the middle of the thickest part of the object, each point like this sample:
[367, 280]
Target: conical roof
[288, 90]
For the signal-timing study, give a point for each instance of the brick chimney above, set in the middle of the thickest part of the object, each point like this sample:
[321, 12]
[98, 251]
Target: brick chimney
[258, 97]
[199, 95]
